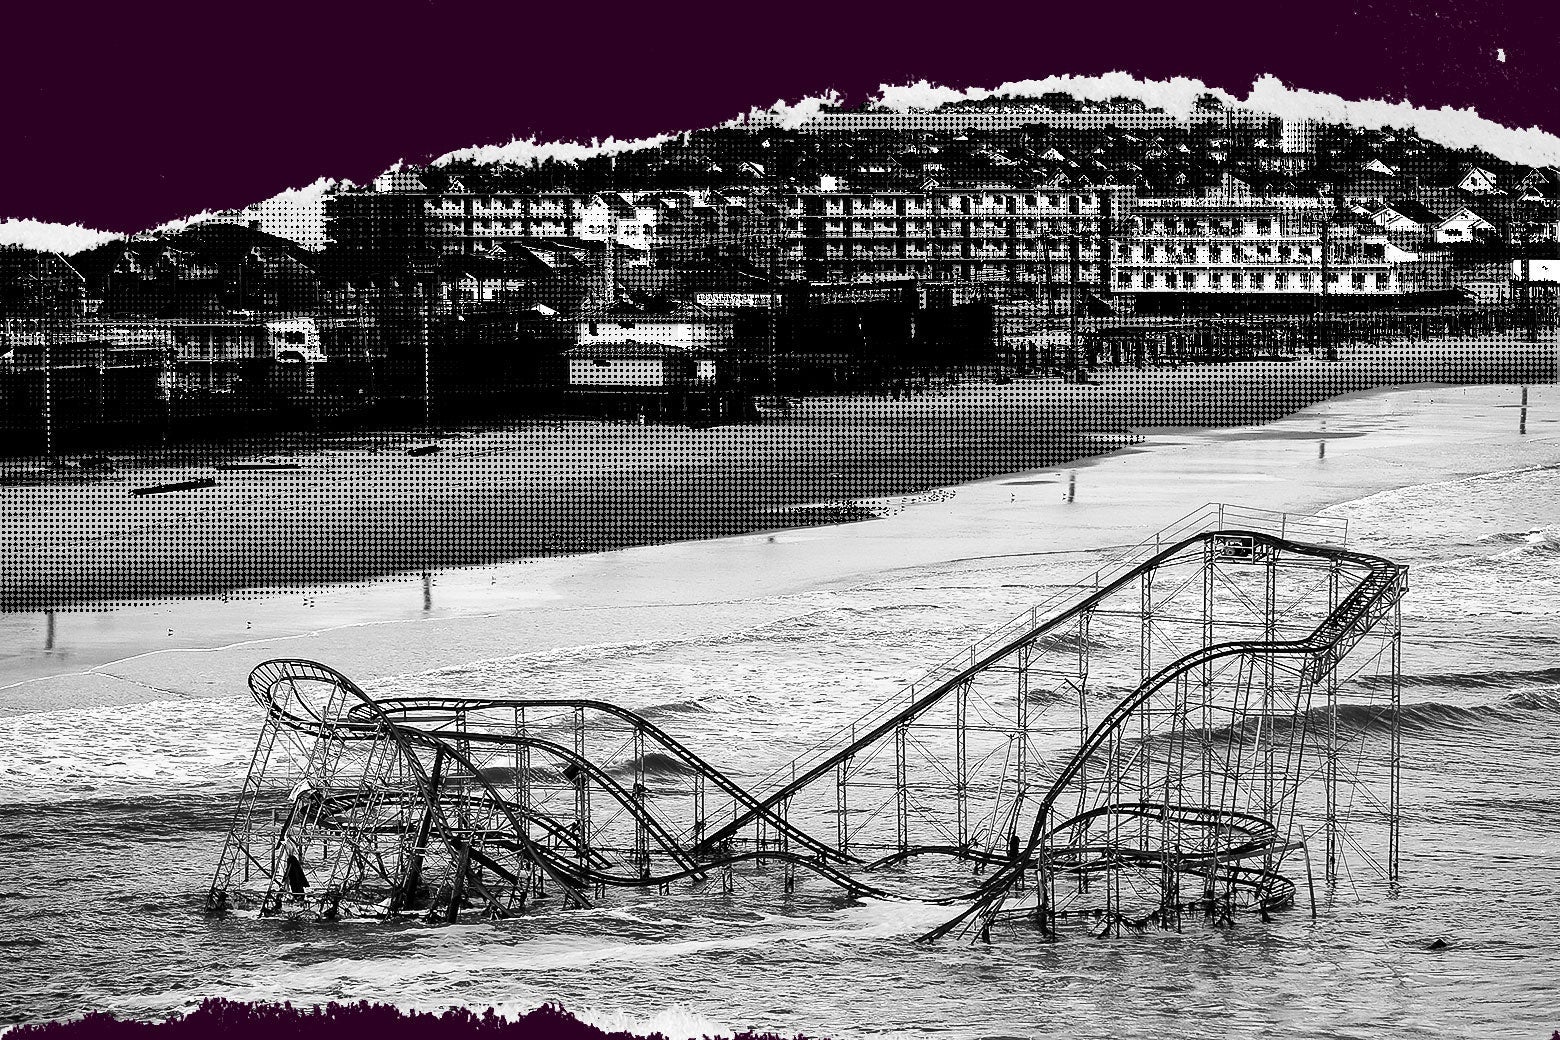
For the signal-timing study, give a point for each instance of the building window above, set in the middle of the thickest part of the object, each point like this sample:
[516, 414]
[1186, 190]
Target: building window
[1264, 225]
[1257, 280]
[1188, 279]
[1124, 278]
[1237, 280]
[1359, 279]
[1381, 281]
[1216, 280]
[1281, 281]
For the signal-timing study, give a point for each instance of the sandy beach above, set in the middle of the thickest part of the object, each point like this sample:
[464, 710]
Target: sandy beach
[261, 531]
[363, 507]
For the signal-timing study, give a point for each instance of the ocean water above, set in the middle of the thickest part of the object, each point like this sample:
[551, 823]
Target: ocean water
[111, 820]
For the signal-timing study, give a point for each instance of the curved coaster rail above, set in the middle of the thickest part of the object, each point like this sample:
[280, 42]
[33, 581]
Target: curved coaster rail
[1163, 737]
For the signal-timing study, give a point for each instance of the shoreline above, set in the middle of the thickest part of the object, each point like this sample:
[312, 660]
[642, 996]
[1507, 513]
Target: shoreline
[1379, 440]
[365, 509]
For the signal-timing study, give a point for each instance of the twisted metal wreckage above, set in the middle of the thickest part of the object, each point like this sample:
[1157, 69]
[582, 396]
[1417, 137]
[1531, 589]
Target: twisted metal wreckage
[1165, 737]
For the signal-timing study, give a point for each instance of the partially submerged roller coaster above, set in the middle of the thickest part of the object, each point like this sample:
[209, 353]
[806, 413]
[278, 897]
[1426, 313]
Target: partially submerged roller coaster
[1175, 734]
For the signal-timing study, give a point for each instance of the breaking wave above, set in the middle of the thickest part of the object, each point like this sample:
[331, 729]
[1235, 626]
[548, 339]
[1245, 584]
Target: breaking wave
[1419, 717]
[1544, 536]
[655, 763]
[1487, 679]
[680, 707]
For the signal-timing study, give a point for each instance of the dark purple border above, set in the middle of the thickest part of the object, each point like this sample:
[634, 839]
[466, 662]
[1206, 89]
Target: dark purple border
[121, 115]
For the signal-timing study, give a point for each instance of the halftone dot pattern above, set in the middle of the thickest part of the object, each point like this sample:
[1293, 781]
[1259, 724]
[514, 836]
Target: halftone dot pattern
[743, 329]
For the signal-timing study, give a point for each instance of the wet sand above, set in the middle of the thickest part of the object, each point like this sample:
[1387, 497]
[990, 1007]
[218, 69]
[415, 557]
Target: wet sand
[262, 530]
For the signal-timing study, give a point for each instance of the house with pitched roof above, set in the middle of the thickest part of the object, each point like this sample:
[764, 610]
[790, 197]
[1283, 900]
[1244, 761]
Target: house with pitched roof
[1538, 183]
[1403, 216]
[609, 216]
[1476, 180]
[1459, 224]
[35, 284]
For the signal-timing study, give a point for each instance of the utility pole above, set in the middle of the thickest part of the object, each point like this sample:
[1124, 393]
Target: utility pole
[1072, 281]
[778, 240]
[46, 343]
[610, 260]
[425, 335]
[420, 267]
[1324, 333]
[1525, 232]
[1050, 277]
[48, 391]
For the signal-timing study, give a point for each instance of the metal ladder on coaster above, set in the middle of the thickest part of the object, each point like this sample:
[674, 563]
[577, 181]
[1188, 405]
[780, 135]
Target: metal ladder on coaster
[236, 847]
[322, 761]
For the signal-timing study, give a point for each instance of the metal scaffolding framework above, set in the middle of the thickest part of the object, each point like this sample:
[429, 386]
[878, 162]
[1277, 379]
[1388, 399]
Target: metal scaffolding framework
[1171, 736]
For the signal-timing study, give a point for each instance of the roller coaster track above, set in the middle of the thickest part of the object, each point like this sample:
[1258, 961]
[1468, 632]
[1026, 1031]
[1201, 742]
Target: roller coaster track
[1371, 598]
[1324, 648]
[412, 707]
[368, 720]
[423, 802]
